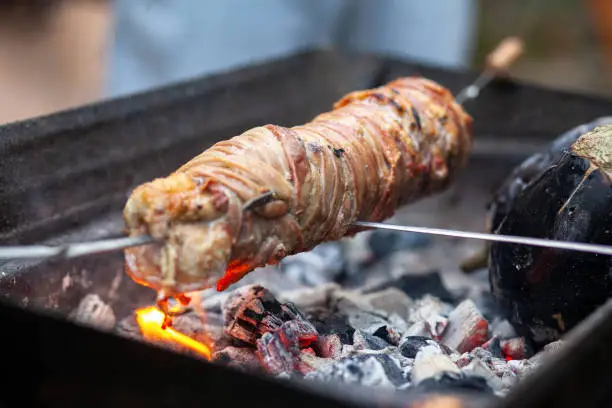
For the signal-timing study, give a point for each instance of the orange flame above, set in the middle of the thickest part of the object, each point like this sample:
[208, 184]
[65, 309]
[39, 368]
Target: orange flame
[150, 321]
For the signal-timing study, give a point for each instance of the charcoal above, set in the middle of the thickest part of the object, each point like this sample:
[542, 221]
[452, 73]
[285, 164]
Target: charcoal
[389, 334]
[498, 365]
[383, 243]
[436, 326]
[418, 285]
[477, 368]
[391, 300]
[310, 362]
[93, 311]
[431, 361]
[426, 308]
[481, 353]
[329, 346]
[252, 311]
[462, 360]
[405, 364]
[521, 367]
[335, 323]
[454, 382]
[411, 345]
[485, 303]
[347, 302]
[279, 351]
[308, 298]
[243, 358]
[368, 322]
[493, 345]
[363, 340]
[393, 371]
[420, 329]
[467, 328]
[323, 264]
[398, 322]
[515, 349]
[348, 350]
[369, 371]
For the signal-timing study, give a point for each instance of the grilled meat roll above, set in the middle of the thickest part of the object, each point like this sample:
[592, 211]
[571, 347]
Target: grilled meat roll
[275, 191]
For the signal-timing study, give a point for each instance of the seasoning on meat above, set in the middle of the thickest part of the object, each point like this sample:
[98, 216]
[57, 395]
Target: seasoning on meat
[275, 191]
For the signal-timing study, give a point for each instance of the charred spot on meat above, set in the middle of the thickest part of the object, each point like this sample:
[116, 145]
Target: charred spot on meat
[273, 191]
[545, 291]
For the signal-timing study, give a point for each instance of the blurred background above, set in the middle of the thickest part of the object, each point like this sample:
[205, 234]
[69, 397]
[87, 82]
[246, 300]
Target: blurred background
[55, 54]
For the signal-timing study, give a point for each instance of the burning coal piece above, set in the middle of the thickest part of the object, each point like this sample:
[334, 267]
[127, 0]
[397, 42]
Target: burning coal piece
[546, 292]
[252, 311]
[467, 328]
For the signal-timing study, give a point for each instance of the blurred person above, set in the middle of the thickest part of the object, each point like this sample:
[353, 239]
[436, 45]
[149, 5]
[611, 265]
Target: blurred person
[156, 42]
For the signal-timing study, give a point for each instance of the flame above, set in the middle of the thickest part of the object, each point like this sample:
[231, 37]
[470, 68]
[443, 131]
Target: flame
[151, 319]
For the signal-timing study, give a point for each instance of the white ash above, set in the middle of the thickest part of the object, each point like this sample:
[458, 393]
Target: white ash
[431, 361]
[477, 368]
[522, 367]
[367, 341]
[392, 301]
[310, 362]
[398, 322]
[418, 329]
[427, 307]
[93, 311]
[436, 326]
[370, 371]
[307, 298]
[321, 265]
[347, 301]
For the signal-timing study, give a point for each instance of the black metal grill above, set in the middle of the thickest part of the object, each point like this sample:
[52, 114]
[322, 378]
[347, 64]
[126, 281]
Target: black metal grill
[66, 177]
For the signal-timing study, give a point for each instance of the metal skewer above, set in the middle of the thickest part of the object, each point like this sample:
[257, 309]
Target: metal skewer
[497, 65]
[110, 245]
[498, 62]
[541, 242]
[72, 250]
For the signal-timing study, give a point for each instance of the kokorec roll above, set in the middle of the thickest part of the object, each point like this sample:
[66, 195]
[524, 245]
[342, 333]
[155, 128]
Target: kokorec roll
[275, 191]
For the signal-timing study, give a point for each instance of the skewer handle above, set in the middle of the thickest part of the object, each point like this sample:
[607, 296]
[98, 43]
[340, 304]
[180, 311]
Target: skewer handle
[505, 54]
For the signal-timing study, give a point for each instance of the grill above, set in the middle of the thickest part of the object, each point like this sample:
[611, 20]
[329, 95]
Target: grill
[65, 177]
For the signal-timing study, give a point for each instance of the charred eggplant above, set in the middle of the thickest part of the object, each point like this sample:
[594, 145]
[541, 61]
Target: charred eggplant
[564, 193]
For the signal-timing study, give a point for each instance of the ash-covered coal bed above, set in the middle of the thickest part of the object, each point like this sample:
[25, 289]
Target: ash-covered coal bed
[364, 311]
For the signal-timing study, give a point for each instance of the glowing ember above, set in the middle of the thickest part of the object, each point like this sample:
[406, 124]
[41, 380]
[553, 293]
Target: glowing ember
[150, 321]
